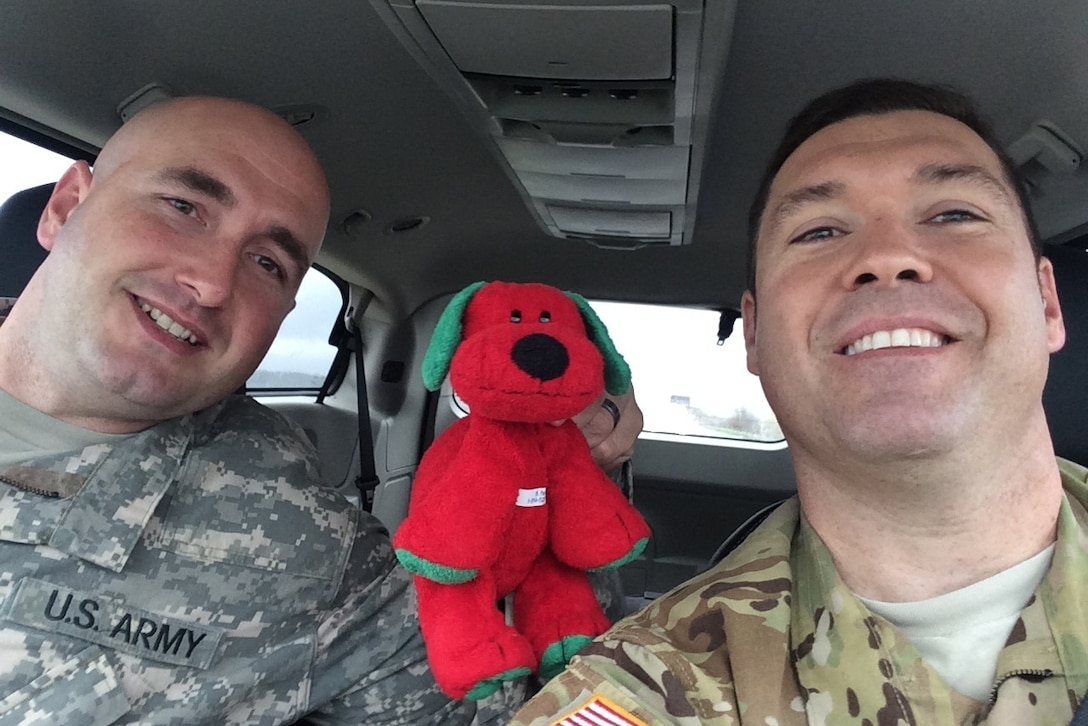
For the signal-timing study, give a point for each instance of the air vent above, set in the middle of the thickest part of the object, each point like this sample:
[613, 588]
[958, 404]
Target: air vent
[598, 111]
[578, 42]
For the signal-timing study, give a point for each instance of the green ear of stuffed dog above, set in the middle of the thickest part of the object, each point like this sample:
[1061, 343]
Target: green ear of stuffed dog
[447, 336]
[617, 374]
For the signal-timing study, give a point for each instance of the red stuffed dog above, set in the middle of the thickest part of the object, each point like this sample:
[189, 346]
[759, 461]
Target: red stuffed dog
[505, 501]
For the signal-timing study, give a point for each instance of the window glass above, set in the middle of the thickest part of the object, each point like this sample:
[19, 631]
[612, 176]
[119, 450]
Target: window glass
[301, 356]
[24, 165]
[686, 384]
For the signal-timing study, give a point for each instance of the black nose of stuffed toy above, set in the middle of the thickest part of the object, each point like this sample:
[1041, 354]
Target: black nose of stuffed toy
[541, 356]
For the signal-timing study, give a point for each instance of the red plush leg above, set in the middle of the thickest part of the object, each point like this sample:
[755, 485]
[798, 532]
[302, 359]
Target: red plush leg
[555, 608]
[470, 648]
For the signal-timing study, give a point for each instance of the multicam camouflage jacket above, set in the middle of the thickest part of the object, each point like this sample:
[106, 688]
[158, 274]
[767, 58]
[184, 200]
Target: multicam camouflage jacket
[772, 636]
[199, 573]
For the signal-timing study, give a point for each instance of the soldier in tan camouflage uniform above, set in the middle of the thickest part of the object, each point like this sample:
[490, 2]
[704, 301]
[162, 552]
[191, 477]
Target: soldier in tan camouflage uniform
[933, 568]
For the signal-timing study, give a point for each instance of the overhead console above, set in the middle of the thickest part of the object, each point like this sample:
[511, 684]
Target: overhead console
[598, 111]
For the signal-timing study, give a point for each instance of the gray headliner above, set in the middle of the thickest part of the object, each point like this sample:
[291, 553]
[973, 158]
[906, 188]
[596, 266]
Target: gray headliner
[395, 144]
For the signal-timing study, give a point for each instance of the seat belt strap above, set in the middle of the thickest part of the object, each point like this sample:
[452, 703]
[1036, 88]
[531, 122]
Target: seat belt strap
[348, 339]
[367, 481]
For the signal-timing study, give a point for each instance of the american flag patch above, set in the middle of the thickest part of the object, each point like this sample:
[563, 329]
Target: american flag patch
[599, 711]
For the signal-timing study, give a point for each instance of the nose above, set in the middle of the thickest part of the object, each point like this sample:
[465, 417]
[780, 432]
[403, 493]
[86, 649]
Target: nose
[208, 277]
[541, 356]
[886, 254]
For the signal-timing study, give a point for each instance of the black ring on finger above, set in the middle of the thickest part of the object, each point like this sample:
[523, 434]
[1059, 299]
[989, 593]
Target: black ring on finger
[613, 410]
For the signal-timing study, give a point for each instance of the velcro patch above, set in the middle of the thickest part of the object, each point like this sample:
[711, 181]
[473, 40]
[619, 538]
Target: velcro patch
[599, 711]
[45, 606]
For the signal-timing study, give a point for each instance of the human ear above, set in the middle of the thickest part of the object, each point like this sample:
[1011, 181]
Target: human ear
[69, 191]
[1052, 310]
[748, 316]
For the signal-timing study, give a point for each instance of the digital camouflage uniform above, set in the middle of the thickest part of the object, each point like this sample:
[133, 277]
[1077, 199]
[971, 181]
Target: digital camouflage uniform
[772, 637]
[200, 573]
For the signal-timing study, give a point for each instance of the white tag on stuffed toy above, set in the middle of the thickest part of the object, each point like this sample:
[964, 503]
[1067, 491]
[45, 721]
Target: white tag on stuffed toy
[532, 497]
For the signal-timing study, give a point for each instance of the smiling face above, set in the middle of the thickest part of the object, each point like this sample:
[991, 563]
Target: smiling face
[900, 310]
[171, 269]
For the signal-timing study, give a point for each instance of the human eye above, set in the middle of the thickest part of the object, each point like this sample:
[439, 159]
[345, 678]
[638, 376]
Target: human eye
[186, 208]
[954, 216]
[270, 266]
[816, 234]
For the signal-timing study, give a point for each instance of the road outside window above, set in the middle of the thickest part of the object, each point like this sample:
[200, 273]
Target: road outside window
[301, 356]
[687, 384]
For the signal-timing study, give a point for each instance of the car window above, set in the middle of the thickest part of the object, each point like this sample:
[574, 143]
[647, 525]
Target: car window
[301, 355]
[686, 383]
[24, 165]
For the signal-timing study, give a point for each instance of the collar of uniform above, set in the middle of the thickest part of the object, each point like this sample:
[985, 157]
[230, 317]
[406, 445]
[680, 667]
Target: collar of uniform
[107, 516]
[1061, 594]
[884, 678]
[751, 592]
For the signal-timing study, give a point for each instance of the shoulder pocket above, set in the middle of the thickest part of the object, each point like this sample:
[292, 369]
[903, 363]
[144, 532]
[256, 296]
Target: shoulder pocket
[216, 514]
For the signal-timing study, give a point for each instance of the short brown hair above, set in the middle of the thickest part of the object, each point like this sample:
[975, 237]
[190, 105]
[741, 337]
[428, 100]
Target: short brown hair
[873, 97]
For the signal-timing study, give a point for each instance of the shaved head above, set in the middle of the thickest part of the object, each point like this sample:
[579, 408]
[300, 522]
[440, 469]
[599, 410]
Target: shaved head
[171, 265]
[265, 136]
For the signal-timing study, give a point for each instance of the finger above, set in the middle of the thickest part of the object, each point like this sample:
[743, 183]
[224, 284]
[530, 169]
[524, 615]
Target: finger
[598, 428]
[613, 441]
[586, 416]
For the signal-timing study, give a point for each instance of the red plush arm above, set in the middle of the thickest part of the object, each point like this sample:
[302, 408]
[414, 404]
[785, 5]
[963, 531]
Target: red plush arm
[592, 525]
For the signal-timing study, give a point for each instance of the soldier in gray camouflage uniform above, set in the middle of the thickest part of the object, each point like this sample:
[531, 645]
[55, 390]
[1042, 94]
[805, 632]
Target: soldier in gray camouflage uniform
[168, 553]
[933, 568]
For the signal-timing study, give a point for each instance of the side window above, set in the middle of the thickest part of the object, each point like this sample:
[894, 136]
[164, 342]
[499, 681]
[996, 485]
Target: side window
[301, 356]
[686, 384]
[24, 165]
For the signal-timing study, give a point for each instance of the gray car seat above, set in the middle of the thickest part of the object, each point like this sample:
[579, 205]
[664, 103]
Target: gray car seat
[19, 238]
[1066, 395]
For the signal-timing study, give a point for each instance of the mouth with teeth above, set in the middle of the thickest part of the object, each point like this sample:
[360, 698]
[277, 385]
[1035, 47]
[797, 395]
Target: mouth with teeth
[168, 324]
[898, 338]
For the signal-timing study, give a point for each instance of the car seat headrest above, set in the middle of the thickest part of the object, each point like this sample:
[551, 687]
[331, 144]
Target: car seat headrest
[1065, 397]
[22, 254]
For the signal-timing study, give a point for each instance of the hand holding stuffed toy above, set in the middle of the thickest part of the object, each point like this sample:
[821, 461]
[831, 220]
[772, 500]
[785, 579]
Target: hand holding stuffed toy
[506, 502]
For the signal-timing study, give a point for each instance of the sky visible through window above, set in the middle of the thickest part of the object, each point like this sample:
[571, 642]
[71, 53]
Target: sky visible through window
[24, 165]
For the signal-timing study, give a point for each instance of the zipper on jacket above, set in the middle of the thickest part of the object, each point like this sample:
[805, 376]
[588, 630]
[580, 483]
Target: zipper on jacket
[1039, 673]
[26, 488]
